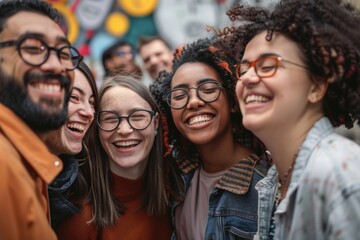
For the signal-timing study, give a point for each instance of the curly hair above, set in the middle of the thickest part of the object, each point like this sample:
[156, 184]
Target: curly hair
[327, 34]
[206, 51]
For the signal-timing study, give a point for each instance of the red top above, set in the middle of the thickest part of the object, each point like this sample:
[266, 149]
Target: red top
[134, 224]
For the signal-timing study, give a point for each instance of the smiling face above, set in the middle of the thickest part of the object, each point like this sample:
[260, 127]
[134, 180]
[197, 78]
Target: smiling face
[200, 122]
[37, 94]
[280, 101]
[122, 58]
[68, 139]
[156, 57]
[128, 149]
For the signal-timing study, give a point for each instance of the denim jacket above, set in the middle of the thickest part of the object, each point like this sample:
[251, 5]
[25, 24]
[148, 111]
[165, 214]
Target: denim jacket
[60, 207]
[323, 199]
[233, 202]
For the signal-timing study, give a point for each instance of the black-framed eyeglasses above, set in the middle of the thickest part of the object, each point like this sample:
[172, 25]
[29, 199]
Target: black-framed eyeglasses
[208, 92]
[36, 52]
[138, 119]
[264, 66]
[121, 53]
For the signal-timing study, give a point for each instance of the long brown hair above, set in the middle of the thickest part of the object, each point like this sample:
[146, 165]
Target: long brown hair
[106, 208]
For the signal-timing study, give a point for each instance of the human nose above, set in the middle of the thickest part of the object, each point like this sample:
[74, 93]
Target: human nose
[53, 63]
[153, 60]
[87, 111]
[194, 100]
[124, 126]
[250, 77]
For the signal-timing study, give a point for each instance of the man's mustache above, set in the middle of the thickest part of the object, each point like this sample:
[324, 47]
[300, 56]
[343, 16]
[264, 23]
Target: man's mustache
[64, 81]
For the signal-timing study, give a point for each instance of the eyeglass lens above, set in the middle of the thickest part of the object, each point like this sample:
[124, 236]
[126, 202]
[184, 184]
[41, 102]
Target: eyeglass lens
[35, 52]
[264, 67]
[207, 92]
[139, 120]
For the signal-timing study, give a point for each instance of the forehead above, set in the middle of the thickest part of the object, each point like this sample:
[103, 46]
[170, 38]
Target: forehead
[123, 48]
[122, 99]
[32, 22]
[81, 82]
[192, 73]
[154, 46]
[279, 44]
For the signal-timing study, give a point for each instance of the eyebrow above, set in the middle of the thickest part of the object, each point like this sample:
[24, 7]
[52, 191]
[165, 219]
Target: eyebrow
[185, 85]
[43, 37]
[81, 91]
[261, 56]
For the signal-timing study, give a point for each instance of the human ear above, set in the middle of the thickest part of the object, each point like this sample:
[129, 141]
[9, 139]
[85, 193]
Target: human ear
[156, 120]
[318, 90]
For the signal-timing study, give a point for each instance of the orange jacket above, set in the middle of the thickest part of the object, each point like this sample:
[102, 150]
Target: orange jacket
[26, 167]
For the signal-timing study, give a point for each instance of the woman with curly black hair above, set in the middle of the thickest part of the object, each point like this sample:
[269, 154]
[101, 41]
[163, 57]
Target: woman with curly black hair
[217, 162]
[298, 78]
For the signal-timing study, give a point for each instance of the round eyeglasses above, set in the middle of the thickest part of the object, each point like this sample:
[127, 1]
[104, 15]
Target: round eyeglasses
[208, 92]
[36, 52]
[264, 66]
[138, 119]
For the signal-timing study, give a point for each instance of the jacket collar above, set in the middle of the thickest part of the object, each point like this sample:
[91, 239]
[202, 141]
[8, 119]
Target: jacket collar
[29, 145]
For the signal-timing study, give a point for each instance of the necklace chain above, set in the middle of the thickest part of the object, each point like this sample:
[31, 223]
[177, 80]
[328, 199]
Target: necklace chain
[287, 173]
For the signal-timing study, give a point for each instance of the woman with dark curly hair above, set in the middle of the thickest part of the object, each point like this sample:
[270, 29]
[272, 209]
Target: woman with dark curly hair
[299, 76]
[217, 162]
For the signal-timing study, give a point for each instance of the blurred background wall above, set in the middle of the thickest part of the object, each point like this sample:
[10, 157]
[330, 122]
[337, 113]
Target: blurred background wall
[93, 25]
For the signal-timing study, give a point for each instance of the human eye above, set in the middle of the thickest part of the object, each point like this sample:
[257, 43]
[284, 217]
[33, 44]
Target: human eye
[266, 64]
[106, 117]
[74, 98]
[65, 53]
[243, 68]
[139, 116]
[178, 95]
[33, 46]
[208, 88]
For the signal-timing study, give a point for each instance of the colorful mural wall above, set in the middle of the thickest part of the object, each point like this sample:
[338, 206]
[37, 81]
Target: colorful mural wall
[93, 25]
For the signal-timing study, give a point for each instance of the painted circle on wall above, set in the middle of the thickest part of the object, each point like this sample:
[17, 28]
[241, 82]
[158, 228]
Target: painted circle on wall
[72, 27]
[138, 8]
[117, 24]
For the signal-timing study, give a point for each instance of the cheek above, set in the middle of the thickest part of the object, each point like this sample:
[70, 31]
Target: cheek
[71, 109]
[104, 138]
[238, 90]
[176, 114]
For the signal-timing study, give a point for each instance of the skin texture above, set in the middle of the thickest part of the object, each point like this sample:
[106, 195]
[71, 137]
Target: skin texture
[68, 139]
[156, 57]
[212, 137]
[288, 102]
[217, 113]
[128, 162]
[46, 96]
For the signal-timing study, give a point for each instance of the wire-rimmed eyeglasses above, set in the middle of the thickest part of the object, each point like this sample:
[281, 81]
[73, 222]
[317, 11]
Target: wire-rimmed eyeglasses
[36, 52]
[208, 92]
[138, 119]
[264, 66]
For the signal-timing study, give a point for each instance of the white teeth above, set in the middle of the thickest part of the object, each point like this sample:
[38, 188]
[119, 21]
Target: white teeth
[76, 126]
[126, 143]
[47, 87]
[256, 98]
[199, 119]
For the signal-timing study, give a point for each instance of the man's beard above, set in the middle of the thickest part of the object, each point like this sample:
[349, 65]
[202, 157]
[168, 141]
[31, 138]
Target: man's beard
[15, 96]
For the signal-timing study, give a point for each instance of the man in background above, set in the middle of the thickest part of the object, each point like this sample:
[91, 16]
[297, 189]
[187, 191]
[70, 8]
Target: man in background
[36, 72]
[120, 57]
[156, 54]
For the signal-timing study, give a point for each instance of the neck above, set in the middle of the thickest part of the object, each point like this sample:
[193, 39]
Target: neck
[221, 155]
[284, 144]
